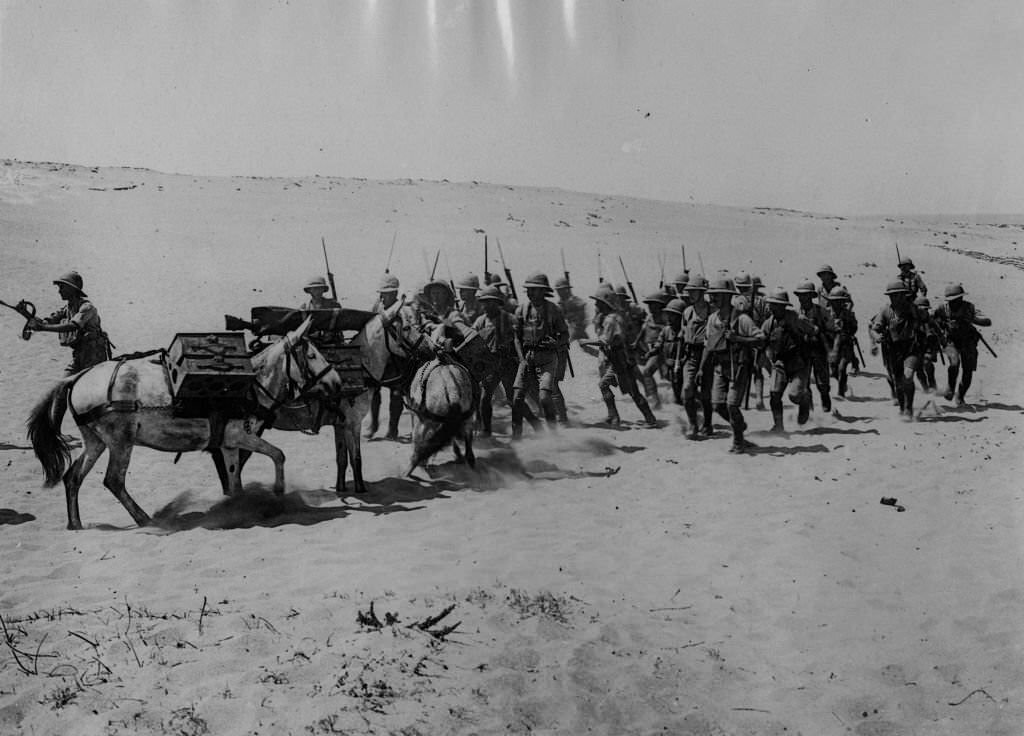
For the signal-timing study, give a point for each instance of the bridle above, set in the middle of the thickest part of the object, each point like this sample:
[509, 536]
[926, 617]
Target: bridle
[294, 390]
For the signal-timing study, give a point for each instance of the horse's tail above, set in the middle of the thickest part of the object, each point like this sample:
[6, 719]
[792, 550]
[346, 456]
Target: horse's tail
[44, 432]
[430, 437]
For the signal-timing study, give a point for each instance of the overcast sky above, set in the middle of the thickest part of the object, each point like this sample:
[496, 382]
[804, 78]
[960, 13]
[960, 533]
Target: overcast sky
[836, 106]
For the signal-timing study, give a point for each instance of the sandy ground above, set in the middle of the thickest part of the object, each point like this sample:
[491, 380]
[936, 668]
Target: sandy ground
[608, 582]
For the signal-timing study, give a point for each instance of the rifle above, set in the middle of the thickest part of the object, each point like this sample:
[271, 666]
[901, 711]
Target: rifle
[568, 358]
[508, 272]
[434, 269]
[628, 282]
[860, 354]
[700, 259]
[984, 342]
[487, 273]
[685, 269]
[565, 270]
[661, 280]
[330, 276]
[600, 274]
[387, 268]
[27, 310]
[898, 259]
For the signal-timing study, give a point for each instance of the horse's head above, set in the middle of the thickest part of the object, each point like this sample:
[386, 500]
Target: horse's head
[293, 368]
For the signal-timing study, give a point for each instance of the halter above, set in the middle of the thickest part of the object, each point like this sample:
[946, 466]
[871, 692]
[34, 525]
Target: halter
[404, 344]
[293, 390]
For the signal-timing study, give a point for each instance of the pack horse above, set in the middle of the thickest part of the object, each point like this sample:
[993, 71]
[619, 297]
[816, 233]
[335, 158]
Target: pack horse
[125, 402]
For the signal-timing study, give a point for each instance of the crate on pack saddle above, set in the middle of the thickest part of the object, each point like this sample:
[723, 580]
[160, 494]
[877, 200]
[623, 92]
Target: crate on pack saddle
[347, 360]
[210, 372]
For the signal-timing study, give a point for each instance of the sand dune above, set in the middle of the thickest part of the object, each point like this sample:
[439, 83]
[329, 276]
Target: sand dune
[598, 581]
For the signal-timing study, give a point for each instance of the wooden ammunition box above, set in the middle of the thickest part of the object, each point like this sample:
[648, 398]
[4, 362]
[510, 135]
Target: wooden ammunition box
[348, 362]
[210, 372]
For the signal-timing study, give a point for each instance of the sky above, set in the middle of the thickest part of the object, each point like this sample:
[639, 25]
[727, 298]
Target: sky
[867, 107]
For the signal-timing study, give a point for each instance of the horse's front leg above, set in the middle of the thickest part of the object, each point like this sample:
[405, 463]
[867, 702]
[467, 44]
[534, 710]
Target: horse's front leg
[467, 436]
[229, 469]
[355, 453]
[238, 437]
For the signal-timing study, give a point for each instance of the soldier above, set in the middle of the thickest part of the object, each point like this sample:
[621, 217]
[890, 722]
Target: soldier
[957, 317]
[842, 353]
[824, 330]
[540, 333]
[573, 308]
[317, 288]
[911, 279]
[828, 282]
[933, 343]
[650, 330]
[468, 287]
[666, 350]
[497, 329]
[387, 295]
[897, 327]
[786, 350]
[446, 325]
[697, 374]
[617, 367]
[77, 324]
[732, 337]
[679, 284]
[758, 310]
[510, 302]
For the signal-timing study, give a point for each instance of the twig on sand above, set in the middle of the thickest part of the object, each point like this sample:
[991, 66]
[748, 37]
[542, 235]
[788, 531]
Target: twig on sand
[439, 634]
[753, 710]
[972, 692]
[670, 608]
[202, 613]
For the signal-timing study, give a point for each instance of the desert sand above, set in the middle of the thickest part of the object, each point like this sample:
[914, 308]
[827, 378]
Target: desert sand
[603, 581]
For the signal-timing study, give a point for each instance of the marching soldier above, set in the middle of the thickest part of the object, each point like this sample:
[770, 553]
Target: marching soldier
[666, 350]
[829, 281]
[897, 326]
[911, 279]
[758, 310]
[679, 283]
[786, 350]
[468, 287]
[77, 324]
[497, 328]
[446, 325]
[617, 367]
[732, 337]
[510, 302]
[387, 295]
[842, 353]
[540, 333]
[824, 328]
[933, 343]
[957, 318]
[650, 330]
[697, 373]
[573, 308]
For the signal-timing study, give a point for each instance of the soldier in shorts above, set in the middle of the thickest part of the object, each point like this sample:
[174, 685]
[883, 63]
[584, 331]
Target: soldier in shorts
[540, 334]
[698, 375]
[786, 351]
[957, 317]
[77, 324]
[898, 328]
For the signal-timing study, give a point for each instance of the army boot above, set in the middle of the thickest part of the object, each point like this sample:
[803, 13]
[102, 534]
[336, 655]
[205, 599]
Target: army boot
[826, 400]
[803, 412]
[775, 401]
[613, 413]
[645, 409]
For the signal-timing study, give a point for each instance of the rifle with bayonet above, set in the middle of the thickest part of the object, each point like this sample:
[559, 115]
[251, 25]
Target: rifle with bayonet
[387, 266]
[629, 283]
[508, 272]
[568, 358]
[487, 264]
[27, 310]
[330, 276]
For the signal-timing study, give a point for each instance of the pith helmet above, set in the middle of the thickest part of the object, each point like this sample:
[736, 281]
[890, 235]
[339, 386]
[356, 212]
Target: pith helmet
[896, 287]
[72, 279]
[562, 282]
[805, 287]
[757, 282]
[954, 291]
[905, 261]
[469, 281]
[489, 294]
[683, 278]
[387, 283]
[839, 293]
[537, 280]
[656, 297]
[432, 286]
[922, 301]
[623, 294]
[743, 280]
[676, 306]
[825, 269]
[495, 279]
[317, 282]
[721, 286]
[778, 296]
[697, 283]
[606, 295]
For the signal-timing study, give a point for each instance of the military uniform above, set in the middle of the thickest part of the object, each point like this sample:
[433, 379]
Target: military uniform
[650, 361]
[732, 338]
[933, 343]
[842, 353]
[898, 327]
[787, 354]
[757, 308]
[542, 334]
[619, 367]
[697, 373]
[823, 327]
[388, 286]
[88, 342]
[911, 279]
[957, 317]
[666, 350]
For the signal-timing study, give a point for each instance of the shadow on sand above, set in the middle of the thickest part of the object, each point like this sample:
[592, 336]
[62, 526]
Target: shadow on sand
[837, 430]
[782, 451]
[255, 506]
[8, 446]
[12, 517]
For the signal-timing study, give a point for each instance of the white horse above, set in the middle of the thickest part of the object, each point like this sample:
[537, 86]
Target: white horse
[443, 397]
[122, 403]
[383, 341]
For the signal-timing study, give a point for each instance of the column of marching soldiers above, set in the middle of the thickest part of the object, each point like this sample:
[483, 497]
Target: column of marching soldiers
[716, 342]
